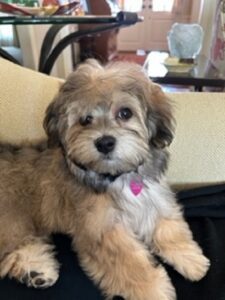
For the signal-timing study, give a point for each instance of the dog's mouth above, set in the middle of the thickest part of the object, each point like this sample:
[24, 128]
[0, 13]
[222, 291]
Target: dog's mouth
[105, 176]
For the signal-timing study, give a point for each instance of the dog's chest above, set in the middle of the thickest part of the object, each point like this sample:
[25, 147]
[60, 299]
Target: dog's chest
[140, 204]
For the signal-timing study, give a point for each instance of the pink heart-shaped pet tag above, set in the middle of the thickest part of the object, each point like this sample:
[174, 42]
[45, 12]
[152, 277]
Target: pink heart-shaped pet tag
[136, 187]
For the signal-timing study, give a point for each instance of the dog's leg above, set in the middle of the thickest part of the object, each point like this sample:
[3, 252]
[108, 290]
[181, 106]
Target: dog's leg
[173, 241]
[122, 266]
[33, 263]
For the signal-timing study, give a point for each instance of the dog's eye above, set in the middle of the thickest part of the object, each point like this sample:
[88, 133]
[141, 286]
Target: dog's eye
[86, 120]
[125, 113]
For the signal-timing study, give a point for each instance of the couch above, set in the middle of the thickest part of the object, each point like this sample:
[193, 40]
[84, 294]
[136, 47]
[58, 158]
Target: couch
[196, 172]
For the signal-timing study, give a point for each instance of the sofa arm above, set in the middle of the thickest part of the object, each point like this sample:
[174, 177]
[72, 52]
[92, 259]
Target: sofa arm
[24, 96]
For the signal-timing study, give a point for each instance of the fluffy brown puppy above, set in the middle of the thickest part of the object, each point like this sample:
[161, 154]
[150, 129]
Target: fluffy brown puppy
[101, 182]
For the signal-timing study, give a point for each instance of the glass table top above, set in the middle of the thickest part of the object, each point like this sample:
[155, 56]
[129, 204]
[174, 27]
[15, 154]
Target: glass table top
[22, 20]
[199, 74]
[201, 68]
[122, 17]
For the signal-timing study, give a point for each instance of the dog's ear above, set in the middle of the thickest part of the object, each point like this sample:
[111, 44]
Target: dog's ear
[160, 119]
[51, 125]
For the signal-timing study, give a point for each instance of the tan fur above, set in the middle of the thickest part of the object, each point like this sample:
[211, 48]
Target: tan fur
[133, 273]
[74, 189]
[174, 243]
[33, 255]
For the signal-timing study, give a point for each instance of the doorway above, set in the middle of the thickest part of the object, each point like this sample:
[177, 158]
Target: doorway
[159, 15]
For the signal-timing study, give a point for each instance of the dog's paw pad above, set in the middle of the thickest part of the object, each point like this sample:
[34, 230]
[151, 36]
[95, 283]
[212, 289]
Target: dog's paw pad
[37, 280]
[34, 274]
[40, 280]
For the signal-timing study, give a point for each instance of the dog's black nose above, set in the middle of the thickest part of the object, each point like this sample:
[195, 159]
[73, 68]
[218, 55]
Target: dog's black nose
[105, 144]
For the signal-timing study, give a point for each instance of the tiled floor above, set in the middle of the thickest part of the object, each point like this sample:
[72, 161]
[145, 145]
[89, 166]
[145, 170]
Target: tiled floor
[137, 57]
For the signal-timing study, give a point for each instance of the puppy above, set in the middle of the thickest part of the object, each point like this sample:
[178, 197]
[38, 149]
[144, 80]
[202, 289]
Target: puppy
[101, 181]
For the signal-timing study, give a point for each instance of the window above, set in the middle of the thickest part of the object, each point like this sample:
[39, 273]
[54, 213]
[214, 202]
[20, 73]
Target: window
[130, 5]
[162, 5]
[136, 5]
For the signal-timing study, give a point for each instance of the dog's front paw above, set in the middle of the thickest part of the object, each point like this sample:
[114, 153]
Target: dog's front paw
[174, 244]
[32, 264]
[39, 280]
[194, 266]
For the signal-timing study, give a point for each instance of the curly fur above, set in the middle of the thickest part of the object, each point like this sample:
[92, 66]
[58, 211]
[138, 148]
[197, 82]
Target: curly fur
[73, 188]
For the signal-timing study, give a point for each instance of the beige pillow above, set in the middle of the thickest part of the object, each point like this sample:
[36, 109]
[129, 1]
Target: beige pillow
[24, 96]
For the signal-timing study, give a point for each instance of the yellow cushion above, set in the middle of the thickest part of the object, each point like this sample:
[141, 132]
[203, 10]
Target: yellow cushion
[24, 96]
[198, 150]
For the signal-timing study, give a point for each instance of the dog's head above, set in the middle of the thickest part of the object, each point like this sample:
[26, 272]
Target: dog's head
[110, 120]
